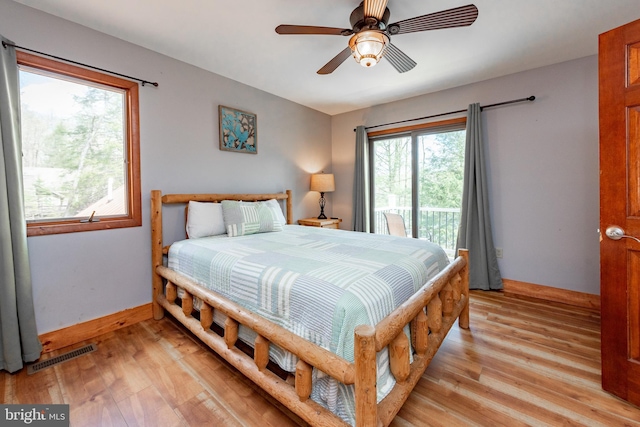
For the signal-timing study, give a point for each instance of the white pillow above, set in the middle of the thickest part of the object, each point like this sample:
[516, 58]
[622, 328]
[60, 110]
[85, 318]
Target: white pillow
[277, 210]
[204, 219]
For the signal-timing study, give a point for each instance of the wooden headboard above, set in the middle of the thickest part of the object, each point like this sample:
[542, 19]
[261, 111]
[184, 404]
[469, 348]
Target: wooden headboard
[158, 200]
[214, 198]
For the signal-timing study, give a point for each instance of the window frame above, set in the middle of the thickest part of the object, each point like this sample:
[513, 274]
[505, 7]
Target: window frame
[132, 123]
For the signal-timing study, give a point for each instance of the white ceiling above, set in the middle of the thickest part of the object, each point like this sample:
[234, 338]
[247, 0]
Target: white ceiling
[236, 39]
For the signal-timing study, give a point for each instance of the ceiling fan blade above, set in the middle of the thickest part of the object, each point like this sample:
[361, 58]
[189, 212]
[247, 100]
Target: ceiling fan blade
[310, 29]
[400, 61]
[330, 66]
[375, 8]
[457, 17]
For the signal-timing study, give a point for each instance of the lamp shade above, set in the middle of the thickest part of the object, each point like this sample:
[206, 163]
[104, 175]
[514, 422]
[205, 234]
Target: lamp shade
[322, 182]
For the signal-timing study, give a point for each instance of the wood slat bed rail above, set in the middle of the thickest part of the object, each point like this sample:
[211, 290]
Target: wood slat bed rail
[392, 325]
[309, 410]
[327, 361]
[390, 405]
[331, 363]
[390, 331]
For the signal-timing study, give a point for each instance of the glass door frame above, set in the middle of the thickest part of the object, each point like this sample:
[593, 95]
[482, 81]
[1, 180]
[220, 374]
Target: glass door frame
[413, 132]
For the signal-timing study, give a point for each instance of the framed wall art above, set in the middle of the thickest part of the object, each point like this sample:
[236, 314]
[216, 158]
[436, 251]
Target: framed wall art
[238, 130]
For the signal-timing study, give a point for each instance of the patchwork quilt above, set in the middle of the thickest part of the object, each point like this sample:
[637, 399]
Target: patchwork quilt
[317, 283]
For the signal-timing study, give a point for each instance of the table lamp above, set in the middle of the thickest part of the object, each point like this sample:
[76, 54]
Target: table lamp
[322, 183]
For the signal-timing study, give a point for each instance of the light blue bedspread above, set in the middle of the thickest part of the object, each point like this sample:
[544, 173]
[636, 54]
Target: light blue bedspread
[318, 283]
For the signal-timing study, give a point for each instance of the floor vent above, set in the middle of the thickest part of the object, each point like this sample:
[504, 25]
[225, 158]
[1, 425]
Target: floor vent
[37, 367]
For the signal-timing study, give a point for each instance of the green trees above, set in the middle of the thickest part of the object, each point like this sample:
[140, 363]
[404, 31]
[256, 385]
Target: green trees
[73, 151]
[392, 162]
[441, 169]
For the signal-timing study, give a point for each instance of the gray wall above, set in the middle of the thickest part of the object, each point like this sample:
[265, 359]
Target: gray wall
[82, 276]
[542, 163]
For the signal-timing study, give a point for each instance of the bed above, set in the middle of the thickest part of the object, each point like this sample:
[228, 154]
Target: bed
[355, 367]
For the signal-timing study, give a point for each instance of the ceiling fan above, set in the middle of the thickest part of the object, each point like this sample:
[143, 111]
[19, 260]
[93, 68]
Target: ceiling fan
[370, 33]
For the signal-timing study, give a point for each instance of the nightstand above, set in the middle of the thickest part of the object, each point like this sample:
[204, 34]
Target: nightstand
[322, 223]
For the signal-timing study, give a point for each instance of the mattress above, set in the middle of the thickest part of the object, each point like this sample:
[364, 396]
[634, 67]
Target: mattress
[317, 283]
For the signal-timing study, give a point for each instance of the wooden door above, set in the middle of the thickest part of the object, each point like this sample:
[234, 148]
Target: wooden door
[619, 77]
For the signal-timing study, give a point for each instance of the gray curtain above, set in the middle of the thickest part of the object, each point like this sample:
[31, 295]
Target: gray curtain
[18, 336]
[361, 182]
[475, 222]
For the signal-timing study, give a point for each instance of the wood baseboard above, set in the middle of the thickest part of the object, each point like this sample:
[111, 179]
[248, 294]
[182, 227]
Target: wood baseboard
[579, 299]
[91, 329]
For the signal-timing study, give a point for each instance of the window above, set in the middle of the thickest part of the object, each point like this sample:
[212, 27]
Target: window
[418, 173]
[80, 148]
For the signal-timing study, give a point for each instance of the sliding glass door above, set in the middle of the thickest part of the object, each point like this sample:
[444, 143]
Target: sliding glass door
[392, 181]
[419, 175]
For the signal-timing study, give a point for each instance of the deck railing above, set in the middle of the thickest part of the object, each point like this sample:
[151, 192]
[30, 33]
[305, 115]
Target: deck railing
[439, 225]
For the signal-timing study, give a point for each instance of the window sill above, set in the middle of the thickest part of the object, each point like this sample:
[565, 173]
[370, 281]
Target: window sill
[75, 226]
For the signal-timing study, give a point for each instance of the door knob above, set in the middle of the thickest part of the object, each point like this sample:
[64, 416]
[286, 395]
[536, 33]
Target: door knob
[616, 233]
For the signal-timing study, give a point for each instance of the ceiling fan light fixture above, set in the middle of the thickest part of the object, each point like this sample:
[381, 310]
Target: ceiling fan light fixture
[368, 47]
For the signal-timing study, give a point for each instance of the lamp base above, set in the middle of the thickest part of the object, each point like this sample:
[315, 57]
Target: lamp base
[323, 201]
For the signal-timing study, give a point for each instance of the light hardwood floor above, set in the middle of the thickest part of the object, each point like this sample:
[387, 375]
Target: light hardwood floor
[524, 362]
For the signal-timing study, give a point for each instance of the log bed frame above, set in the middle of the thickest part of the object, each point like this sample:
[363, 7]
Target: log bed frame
[446, 298]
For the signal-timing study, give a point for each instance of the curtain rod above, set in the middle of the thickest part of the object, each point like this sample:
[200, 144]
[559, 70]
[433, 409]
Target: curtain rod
[5, 44]
[530, 98]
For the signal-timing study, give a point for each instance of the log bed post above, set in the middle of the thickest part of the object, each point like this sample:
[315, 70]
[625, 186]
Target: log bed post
[156, 252]
[289, 204]
[366, 372]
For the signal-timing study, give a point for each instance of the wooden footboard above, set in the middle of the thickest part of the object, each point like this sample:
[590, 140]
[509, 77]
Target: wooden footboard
[445, 298]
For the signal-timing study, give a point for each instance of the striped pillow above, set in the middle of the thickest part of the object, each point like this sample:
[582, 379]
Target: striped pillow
[243, 218]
